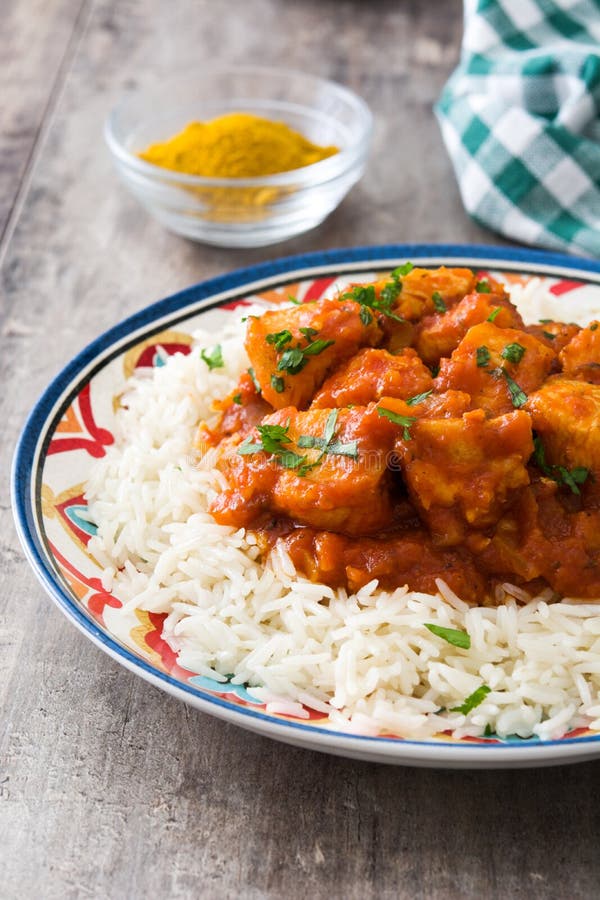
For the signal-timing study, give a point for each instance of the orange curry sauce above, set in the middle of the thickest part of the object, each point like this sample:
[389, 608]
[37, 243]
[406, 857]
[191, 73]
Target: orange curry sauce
[413, 429]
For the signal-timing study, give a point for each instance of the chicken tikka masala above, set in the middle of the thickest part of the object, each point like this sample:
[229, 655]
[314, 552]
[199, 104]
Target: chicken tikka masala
[413, 429]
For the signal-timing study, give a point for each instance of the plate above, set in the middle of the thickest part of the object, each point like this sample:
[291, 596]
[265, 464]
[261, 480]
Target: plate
[70, 427]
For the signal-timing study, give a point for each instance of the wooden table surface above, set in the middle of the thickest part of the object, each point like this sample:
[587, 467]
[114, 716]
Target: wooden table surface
[108, 787]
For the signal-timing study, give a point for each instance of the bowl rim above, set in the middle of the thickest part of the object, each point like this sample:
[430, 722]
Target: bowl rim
[316, 173]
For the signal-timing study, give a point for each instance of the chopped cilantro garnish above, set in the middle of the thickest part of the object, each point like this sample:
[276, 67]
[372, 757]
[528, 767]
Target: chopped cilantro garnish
[277, 383]
[483, 287]
[513, 353]
[571, 478]
[294, 300]
[545, 321]
[472, 701]
[549, 335]
[292, 361]
[438, 302]
[453, 636]
[389, 293]
[593, 326]
[404, 421]
[517, 395]
[279, 339]
[418, 398]
[326, 444]
[213, 357]
[272, 440]
[237, 398]
[366, 296]
[366, 316]
[402, 270]
[309, 333]
[257, 386]
[317, 347]
[493, 313]
[482, 355]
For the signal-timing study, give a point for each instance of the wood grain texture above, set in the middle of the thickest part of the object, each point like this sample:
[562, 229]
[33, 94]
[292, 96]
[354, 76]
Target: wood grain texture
[109, 788]
[37, 41]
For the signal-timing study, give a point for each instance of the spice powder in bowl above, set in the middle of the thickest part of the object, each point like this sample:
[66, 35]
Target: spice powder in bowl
[236, 145]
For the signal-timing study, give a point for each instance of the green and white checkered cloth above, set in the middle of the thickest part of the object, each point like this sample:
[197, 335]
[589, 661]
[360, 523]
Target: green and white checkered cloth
[520, 118]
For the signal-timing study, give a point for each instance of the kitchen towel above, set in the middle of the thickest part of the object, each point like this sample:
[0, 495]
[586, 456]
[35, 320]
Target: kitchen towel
[520, 118]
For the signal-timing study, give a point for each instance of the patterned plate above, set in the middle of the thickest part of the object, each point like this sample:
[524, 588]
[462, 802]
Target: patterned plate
[71, 425]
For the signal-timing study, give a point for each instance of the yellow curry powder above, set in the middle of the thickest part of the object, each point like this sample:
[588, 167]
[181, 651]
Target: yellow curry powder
[236, 145]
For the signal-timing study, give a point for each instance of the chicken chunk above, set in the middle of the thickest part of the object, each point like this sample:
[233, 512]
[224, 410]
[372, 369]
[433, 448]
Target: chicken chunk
[239, 412]
[553, 334]
[420, 285]
[293, 350]
[580, 358]
[371, 374]
[498, 367]
[538, 538]
[439, 335]
[329, 470]
[462, 473]
[566, 417]
[406, 558]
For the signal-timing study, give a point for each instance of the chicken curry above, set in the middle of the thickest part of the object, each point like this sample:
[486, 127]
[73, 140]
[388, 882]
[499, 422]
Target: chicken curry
[415, 428]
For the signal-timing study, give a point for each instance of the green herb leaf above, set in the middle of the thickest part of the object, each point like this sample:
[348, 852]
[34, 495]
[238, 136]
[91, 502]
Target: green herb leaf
[257, 386]
[389, 294]
[309, 333]
[482, 355]
[279, 339]
[213, 357]
[453, 636]
[330, 425]
[593, 326]
[273, 437]
[277, 383]
[402, 270]
[488, 731]
[513, 353]
[350, 449]
[517, 395]
[418, 398]
[326, 443]
[292, 361]
[483, 287]
[249, 446]
[438, 302]
[365, 295]
[317, 347]
[309, 441]
[366, 316]
[404, 421]
[291, 460]
[539, 456]
[570, 478]
[294, 300]
[472, 701]
[493, 313]
[435, 371]
[549, 335]
[545, 321]
[237, 398]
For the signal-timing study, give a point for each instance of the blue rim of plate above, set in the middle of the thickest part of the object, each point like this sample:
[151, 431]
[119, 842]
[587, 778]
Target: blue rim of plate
[30, 450]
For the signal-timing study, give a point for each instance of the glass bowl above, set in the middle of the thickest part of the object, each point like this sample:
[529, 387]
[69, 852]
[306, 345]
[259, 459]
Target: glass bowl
[242, 212]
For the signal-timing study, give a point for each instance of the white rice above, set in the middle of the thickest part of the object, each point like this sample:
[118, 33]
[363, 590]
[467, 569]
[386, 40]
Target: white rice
[365, 660]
